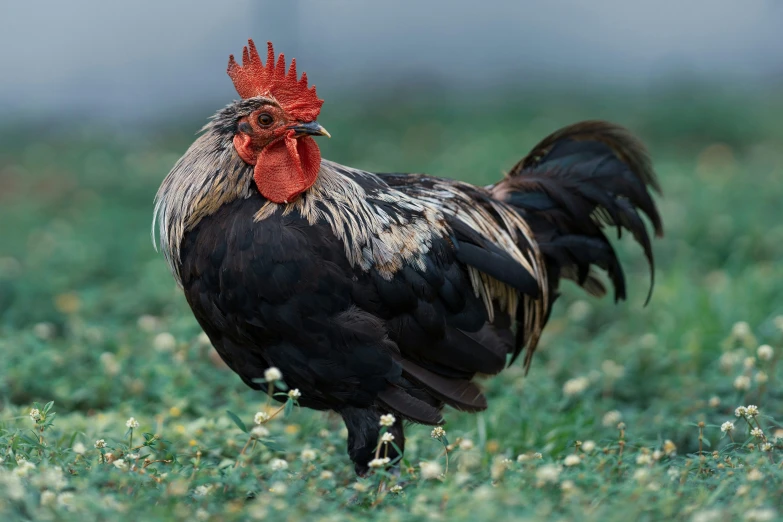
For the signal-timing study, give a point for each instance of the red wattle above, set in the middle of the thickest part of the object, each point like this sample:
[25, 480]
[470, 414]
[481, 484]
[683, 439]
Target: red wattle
[287, 167]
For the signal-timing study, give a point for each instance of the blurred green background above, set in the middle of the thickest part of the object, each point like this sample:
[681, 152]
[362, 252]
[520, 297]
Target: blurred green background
[91, 319]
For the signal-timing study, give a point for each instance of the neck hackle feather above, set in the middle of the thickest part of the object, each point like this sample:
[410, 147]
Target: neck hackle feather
[253, 78]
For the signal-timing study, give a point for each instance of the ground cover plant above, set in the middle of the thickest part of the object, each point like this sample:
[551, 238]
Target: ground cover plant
[114, 406]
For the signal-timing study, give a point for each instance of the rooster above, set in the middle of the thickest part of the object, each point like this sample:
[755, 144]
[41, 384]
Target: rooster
[378, 294]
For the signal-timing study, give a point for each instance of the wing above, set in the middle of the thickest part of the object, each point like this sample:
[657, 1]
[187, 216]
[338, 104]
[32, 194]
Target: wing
[451, 315]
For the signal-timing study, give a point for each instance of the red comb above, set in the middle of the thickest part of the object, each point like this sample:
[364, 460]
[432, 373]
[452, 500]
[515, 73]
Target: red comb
[253, 78]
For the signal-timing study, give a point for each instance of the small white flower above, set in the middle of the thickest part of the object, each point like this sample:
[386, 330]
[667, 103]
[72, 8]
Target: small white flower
[65, 499]
[23, 467]
[466, 444]
[202, 514]
[756, 432]
[767, 446]
[79, 448]
[761, 515]
[751, 410]
[568, 486]
[202, 490]
[644, 459]
[641, 474]
[761, 377]
[395, 489]
[272, 374]
[387, 420]
[164, 342]
[575, 386]
[35, 414]
[278, 488]
[548, 474]
[714, 401]
[148, 323]
[742, 382]
[50, 478]
[261, 417]
[755, 475]
[707, 515]
[387, 438]
[327, 475]
[462, 477]
[278, 464]
[379, 463]
[44, 331]
[749, 362]
[648, 340]
[669, 447]
[728, 360]
[431, 470]
[499, 467]
[656, 455]
[579, 310]
[613, 370]
[741, 411]
[132, 423]
[48, 498]
[572, 460]
[588, 446]
[121, 464]
[611, 418]
[100, 443]
[740, 330]
[308, 454]
[110, 364]
[259, 432]
[727, 427]
[765, 352]
[294, 394]
[438, 433]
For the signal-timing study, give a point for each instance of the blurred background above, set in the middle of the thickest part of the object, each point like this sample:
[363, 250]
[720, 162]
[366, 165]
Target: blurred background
[98, 100]
[154, 60]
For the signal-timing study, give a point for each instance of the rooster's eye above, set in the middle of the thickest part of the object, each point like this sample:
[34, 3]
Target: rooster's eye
[265, 119]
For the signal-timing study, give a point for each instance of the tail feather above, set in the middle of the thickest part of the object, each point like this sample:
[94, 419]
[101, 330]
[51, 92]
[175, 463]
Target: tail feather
[575, 183]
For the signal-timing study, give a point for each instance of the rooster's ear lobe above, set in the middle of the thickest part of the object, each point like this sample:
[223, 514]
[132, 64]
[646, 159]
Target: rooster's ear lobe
[242, 144]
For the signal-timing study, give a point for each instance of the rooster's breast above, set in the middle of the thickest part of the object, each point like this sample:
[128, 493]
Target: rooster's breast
[280, 292]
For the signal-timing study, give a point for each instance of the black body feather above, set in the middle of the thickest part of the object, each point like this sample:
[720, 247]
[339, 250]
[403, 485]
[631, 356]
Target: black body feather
[361, 341]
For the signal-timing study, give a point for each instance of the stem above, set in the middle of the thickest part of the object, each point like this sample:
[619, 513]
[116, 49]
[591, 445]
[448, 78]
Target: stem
[148, 462]
[243, 451]
[621, 443]
[195, 466]
[701, 438]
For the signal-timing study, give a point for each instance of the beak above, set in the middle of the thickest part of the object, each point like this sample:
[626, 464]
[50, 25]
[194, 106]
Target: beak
[312, 128]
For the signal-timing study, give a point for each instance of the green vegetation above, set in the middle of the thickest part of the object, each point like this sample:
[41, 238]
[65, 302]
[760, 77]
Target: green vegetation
[91, 320]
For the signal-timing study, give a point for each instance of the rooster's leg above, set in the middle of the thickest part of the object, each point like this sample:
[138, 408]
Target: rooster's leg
[364, 429]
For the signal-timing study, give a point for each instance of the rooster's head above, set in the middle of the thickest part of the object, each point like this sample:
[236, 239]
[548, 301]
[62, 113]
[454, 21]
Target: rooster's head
[274, 131]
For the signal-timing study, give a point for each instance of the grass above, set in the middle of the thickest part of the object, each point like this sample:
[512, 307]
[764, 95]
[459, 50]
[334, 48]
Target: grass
[619, 419]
